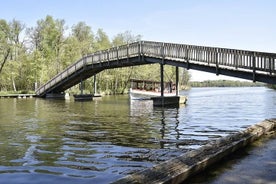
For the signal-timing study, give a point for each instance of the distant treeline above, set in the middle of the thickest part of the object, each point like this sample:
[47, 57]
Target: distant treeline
[225, 83]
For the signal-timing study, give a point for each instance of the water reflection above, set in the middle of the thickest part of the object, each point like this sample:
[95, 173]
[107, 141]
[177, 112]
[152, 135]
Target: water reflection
[140, 107]
[30, 154]
[84, 142]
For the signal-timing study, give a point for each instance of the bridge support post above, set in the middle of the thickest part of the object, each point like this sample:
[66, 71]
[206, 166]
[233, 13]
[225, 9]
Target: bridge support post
[162, 100]
[83, 97]
[162, 83]
[81, 87]
[162, 79]
[56, 96]
[95, 84]
[95, 94]
[177, 81]
[174, 101]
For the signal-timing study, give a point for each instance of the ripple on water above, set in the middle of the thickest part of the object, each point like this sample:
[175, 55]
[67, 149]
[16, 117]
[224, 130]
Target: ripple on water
[68, 142]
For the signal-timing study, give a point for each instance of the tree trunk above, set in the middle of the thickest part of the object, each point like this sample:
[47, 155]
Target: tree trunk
[5, 59]
[13, 84]
[127, 81]
[116, 85]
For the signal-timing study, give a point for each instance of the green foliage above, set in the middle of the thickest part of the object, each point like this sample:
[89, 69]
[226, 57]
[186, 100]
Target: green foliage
[102, 40]
[84, 38]
[125, 38]
[30, 56]
[114, 81]
[5, 43]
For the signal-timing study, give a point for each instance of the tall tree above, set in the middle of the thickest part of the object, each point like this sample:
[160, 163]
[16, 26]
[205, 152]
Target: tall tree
[72, 51]
[16, 28]
[18, 53]
[102, 40]
[83, 33]
[5, 45]
[47, 40]
[12, 50]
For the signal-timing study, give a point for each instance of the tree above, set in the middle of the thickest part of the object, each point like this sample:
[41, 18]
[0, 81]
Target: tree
[102, 40]
[5, 46]
[184, 77]
[85, 38]
[59, 42]
[125, 38]
[14, 51]
[47, 40]
[71, 52]
[115, 80]
[18, 55]
[16, 28]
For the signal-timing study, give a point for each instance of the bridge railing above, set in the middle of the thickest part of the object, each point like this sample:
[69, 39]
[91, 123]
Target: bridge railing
[115, 53]
[221, 57]
[65, 73]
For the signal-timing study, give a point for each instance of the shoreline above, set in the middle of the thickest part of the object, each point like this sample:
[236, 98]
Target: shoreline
[17, 95]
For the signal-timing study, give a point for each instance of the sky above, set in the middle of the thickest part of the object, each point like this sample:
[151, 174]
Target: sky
[238, 24]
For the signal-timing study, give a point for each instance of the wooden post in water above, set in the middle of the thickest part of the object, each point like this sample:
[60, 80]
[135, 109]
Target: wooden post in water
[162, 79]
[83, 97]
[162, 83]
[81, 86]
[176, 81]
[95, 85]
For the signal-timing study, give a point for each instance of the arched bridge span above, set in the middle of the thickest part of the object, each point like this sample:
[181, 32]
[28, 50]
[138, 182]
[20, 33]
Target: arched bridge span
[251, 65]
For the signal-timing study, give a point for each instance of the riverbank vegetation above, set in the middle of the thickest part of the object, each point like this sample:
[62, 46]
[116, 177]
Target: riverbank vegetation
[225, 83]
[30, 56]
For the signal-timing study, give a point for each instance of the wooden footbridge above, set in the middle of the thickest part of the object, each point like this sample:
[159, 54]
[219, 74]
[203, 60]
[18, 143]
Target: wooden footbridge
[251, 65]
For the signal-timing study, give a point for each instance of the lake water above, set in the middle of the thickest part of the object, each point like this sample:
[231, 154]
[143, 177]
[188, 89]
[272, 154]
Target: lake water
[51, 141]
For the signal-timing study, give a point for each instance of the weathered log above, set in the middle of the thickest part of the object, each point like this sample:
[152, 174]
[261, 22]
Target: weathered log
[178, 169]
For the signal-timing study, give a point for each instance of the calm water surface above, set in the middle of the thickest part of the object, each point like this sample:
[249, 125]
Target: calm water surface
[45, 141]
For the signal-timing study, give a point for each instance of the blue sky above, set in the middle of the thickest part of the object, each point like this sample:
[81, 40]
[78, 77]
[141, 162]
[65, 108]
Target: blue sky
[241, 24]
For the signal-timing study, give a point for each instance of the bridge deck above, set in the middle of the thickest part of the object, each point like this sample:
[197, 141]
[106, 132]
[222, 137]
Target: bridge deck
[252, 65]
